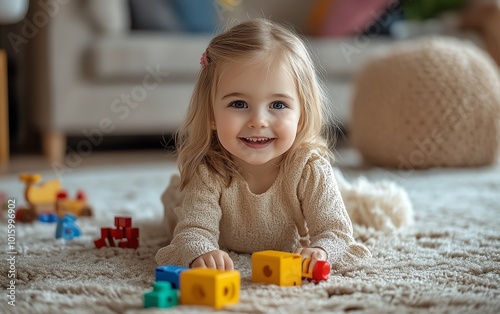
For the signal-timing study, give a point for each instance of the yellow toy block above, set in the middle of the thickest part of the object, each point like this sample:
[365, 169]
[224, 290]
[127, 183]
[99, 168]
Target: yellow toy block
[275, 267]
[211, 287]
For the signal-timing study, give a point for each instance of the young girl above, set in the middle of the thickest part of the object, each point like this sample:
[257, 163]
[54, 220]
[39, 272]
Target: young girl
[254, 168]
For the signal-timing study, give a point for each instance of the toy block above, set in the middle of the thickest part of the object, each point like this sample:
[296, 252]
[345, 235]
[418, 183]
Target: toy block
[162, 296]
[117, 233]
[122, 230]
[105, 232]
[123, 222]
[99, 243]
[170, 273]
[67, 228]
[211, 287]
[275, 267]
[320, 272]
[131, 233]
[48, 217]
[129, 244]
[111, 241]
[106, 235]
[132, 243]
[70, 206]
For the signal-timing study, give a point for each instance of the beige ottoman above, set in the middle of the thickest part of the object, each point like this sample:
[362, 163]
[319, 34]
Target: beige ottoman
[430, 102]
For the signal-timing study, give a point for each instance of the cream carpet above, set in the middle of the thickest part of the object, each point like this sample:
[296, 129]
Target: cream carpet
[447, 262]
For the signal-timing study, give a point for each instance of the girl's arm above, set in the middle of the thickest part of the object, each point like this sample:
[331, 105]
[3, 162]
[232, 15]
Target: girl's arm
[329, 225]
[197, 230]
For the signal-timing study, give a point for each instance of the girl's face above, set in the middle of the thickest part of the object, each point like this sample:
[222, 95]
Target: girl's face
[256, 112]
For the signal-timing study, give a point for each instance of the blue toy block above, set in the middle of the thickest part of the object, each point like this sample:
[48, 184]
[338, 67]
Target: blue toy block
[162, 296]
[67, 228]
[170, 273]
[48, 217]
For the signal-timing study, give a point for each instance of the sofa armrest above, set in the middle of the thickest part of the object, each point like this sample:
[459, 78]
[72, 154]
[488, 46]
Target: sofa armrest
[58, 51]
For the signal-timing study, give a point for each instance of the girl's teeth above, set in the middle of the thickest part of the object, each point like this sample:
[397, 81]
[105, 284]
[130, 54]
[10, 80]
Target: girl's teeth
[257, 139]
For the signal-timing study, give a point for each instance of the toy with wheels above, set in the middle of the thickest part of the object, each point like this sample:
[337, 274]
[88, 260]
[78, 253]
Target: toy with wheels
[48, 198]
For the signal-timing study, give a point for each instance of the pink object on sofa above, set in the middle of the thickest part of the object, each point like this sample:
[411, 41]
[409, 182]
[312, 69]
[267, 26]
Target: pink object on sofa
[348, 17]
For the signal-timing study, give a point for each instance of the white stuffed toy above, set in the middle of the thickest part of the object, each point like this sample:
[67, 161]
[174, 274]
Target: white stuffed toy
[383, 205]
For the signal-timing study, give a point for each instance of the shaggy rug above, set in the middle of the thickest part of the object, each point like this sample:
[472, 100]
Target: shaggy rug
[447, 261]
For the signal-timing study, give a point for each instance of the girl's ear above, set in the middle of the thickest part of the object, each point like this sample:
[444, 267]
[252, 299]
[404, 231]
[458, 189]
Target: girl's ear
[212, 126]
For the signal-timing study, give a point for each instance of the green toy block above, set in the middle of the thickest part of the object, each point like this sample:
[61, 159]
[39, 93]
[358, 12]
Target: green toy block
[162, 296]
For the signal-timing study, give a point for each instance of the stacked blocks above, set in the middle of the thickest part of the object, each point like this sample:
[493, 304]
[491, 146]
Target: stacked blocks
[211, 287]
[170, 273]
[67, 228]
[123, 231]
[162, 296]
[198, 286]
[275, 267]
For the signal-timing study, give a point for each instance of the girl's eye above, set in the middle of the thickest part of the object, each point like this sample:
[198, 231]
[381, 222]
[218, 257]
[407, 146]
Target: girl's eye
[278, 105]
[238, 104]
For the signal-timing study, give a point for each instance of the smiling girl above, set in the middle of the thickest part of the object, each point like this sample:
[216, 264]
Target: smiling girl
[254, 167]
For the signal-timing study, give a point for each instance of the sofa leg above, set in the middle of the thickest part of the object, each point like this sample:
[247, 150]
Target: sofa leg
[54, 146]
[4, 110]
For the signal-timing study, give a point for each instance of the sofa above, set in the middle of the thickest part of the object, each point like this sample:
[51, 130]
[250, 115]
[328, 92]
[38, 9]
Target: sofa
[94, 77]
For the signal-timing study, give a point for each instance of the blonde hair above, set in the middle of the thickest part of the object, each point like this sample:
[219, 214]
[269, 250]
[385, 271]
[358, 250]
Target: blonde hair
[198, 144]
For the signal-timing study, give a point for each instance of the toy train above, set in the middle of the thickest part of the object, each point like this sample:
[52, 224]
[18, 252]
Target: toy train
[49, 198]
[286, 269]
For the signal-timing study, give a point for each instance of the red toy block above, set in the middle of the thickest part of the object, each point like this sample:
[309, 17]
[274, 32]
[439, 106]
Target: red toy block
[131, 233]
[133, 243]
[117, 233]
[105, 235]
[123, 244]
[105, 232]
[123, 230]
[99, 243]
[123, 222]
[130, 244]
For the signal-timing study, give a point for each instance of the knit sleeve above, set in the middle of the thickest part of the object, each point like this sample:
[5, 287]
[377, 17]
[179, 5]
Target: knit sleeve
[328, 223]
[197, 230]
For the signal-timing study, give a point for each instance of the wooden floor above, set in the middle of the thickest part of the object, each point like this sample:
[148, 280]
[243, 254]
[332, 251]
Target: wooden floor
[33, 163]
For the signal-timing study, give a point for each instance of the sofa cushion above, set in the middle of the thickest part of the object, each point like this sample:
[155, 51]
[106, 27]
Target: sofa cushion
[197, 16]
[116, 57]
[128, 56]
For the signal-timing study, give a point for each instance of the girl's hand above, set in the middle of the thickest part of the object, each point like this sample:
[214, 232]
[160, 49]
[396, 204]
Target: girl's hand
[315, 253]
[217, 259]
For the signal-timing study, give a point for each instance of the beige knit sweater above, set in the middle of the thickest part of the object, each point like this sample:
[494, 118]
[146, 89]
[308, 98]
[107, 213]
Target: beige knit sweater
[304, 210]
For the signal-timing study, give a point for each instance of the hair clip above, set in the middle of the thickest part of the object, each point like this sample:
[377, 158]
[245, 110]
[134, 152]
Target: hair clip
[204, 59]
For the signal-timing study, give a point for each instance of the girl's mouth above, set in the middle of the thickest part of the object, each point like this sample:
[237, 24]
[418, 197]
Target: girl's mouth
[256, 142]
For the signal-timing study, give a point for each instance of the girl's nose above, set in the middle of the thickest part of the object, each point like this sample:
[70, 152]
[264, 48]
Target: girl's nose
[258, 120]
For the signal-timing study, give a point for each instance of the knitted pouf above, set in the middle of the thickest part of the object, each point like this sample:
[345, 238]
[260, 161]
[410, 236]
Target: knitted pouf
[430, 102]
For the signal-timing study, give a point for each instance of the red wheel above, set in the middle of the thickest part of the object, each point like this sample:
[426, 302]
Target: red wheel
[321, 271]
[25, 215]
